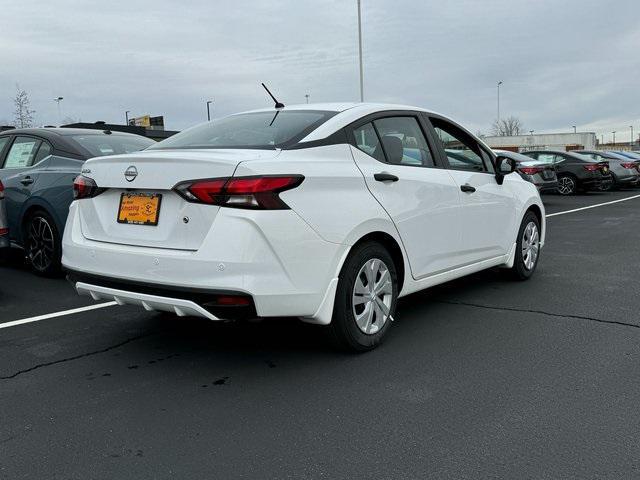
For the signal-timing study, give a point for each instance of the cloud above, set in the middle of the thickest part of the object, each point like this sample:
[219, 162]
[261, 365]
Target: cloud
[562, 63]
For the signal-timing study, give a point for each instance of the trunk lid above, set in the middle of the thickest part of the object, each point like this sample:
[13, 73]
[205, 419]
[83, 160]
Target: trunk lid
[180, 224]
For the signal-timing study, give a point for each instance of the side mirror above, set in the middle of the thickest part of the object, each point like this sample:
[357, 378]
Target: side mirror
[504, 166]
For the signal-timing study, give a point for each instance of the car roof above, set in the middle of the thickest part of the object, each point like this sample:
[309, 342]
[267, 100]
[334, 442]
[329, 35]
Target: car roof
[47, 132]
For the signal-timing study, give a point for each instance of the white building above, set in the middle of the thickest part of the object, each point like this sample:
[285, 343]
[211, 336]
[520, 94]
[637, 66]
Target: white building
[544, 141]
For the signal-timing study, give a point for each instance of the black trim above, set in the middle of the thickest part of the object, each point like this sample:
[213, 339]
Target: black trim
[339, 137]
[202, 297]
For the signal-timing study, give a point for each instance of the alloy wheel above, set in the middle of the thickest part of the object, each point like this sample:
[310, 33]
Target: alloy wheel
[530, 245]
[566, 185]
[372, 296]
[41, 244]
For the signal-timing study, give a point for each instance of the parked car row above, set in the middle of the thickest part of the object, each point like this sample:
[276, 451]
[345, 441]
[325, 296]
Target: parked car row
[578, 170]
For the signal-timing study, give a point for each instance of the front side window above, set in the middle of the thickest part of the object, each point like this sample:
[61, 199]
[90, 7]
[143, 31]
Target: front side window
[463, 153]
[22, 152]
[262, 130]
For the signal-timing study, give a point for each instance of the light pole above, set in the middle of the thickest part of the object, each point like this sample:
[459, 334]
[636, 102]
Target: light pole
[209, 102]
[58, 100]
[531, 132]
[307, 97]
[614, 138]
[631, 127]
[499, 83]
[126, 117]
[360, 52]
[574, 129]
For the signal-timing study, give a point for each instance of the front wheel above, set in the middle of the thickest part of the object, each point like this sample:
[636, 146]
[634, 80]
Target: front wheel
[365, 299]
[42, 244]
[527, 247]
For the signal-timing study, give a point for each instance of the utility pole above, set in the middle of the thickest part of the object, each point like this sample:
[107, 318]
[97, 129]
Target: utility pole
[499, 83]
[631, 127]
[574, 129]
[360, 51]
[126, 117]
[209, 102]
[307, 97]
[614, 138]
[58, 100]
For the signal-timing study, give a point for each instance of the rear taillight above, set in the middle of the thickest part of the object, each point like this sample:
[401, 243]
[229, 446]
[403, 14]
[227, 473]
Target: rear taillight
[530, 170]
[3, 231]
[259, 192]
[630, 165]
[592, 167]
[1, 191]
[85, 187]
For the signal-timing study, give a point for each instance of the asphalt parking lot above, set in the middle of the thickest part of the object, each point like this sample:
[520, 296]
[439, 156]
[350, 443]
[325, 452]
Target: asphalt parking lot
[480, 378]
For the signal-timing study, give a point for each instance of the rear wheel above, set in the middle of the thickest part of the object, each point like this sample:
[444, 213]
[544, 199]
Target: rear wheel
[527, 248]
[42, 244]
[365, 299]
[567, 185]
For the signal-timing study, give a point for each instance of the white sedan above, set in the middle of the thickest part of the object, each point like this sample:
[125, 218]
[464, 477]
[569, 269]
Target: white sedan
[326, 212]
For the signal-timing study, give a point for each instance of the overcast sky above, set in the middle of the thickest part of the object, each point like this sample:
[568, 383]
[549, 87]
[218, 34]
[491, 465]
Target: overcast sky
[563, 62]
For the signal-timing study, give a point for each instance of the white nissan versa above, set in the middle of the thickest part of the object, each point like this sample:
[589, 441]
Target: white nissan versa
[326, 212]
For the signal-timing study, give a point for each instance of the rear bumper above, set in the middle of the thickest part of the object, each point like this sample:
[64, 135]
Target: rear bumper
[547, 187]
[595, 183]
[274, 257]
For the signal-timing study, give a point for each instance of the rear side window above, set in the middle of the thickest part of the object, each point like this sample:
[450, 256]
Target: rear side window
[3, 143]
[22, 152]
[549, 158]
[43, 152]
[403, 141]
[366, 139]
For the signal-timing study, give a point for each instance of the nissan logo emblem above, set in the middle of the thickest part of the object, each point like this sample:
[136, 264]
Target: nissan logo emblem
[131, 173]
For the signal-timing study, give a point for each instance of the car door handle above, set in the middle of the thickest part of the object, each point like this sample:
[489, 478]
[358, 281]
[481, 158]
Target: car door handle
[26, 181]
[467, 188]
[385, 177]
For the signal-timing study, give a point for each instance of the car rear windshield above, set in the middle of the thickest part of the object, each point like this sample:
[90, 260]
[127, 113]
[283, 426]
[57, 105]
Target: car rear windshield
[102, 144]
[263, 130]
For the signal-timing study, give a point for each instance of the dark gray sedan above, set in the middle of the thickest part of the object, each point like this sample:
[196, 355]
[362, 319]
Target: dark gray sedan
[542, 175]
[624, 171]
[37, 169]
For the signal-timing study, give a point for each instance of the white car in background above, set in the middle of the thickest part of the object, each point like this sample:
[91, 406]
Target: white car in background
[326, 212]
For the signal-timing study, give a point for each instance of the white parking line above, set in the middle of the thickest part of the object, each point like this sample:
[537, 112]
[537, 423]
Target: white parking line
[56, 314]
[593, 206]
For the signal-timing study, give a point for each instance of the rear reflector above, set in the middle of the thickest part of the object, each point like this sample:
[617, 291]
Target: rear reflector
[258, 192]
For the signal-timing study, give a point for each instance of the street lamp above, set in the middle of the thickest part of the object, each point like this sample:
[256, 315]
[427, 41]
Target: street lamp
[307, 97]
[58, 100]
[614, 138]
[209, 102]
[574, 129]
[499, 83]
[126, 117]
[360, 51]
[631, 127]
[531, 132]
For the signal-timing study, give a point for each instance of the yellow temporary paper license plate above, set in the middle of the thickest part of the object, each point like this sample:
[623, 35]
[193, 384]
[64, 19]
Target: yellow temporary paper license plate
[139, 208]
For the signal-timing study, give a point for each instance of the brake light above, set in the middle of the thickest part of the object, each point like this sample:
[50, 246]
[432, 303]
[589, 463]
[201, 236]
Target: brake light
[530, 170]
[85, 187]
[258, 192]
[630, 165]
[592, 167]
[1, 191]
[3, 231]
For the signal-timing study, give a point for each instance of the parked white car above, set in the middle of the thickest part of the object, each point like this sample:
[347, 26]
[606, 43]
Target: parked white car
[326, 212]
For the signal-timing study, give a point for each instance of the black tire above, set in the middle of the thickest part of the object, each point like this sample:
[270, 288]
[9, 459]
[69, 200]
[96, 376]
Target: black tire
[520, 270]
[567, 184]
[344, 331]
[42, 244]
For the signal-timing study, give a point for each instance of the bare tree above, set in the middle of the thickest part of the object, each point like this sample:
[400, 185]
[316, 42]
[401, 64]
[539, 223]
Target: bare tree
[507, 127]
[23, 115]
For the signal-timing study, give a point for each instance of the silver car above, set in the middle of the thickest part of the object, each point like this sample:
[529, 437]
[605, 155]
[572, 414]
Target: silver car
[541, 174]
[624, 171]
[4, 227]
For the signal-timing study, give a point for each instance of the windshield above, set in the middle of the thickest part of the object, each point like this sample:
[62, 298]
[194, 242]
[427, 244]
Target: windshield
[271, 129]
[102, 144]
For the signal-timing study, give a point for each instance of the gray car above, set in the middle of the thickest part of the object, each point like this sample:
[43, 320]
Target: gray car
[4, 227]
[37, 169]
[624, 171]
[541, 174]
